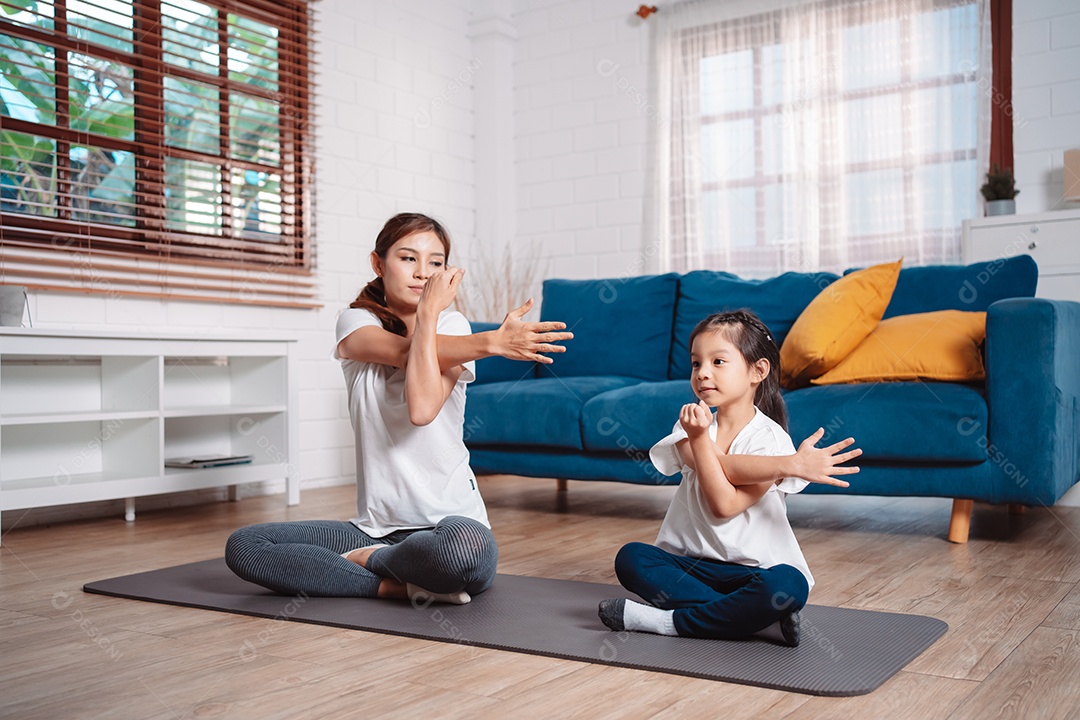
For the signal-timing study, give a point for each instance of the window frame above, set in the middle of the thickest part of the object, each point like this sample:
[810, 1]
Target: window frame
[202, 258]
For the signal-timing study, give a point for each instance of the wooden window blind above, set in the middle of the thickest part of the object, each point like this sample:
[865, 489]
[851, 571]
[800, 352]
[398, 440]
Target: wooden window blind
[157, 148]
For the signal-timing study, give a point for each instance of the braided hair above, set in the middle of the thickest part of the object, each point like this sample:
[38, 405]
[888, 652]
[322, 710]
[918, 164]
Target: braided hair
[745, 331]
[373, 297]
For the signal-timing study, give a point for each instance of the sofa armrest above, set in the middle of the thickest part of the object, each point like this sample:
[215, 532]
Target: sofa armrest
[1033, 395]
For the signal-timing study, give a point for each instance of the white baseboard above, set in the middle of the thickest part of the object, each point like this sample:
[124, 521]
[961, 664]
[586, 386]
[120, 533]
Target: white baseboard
[115, 508]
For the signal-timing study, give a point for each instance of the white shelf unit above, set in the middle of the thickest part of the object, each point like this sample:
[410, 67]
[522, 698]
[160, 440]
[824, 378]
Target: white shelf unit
[90, 416]
[1051, 238]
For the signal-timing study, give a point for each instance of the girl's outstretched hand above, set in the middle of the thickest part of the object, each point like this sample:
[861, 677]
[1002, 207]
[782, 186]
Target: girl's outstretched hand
[819, 465]
[441, 289]
[519, 340]
[695, 419]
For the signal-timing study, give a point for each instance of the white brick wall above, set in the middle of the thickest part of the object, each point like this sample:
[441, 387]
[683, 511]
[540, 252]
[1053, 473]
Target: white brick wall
[581, 138]
[1046, 98]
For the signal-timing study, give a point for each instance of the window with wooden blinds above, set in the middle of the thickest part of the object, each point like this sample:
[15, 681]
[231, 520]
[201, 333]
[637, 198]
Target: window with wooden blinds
[157, 148]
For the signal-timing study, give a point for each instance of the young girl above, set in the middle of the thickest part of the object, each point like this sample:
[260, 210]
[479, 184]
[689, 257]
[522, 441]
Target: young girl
[726, 563]
[421, 530]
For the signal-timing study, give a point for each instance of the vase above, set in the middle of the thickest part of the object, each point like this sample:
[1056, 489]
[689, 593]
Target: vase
[1000, 207]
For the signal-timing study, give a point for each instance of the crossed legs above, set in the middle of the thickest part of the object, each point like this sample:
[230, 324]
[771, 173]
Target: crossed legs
[457, 555]
[710, 598]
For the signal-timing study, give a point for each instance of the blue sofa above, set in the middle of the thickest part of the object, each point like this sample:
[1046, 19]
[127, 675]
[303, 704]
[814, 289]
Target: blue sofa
[594, 413]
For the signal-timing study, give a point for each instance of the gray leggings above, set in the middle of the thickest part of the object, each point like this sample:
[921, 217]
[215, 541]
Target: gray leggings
[459, 553]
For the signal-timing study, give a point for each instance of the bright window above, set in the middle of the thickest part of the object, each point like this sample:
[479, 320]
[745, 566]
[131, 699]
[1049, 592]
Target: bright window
[165, 130]
[825, 136]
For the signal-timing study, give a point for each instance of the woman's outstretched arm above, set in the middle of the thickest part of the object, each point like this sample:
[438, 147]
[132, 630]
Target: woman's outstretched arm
[514, 339]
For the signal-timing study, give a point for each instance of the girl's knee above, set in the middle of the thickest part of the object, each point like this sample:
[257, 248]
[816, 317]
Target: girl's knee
[788, 587]
[626, 557]
[631, 558]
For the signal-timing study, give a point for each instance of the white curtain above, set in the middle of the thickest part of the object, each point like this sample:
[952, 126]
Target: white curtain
[817, 136]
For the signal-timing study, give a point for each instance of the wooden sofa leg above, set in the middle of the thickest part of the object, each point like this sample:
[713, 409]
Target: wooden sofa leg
[1017, 509]
[960, 523]
[560, 485]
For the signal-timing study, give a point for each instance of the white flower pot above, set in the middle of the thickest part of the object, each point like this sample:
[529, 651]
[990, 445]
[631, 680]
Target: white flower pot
[1000, 207]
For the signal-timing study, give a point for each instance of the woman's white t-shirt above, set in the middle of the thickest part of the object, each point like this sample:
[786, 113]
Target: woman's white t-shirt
[407, 477]
[760, 536]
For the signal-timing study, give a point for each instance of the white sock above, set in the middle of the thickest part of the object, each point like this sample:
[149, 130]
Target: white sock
[422, 597]
[646, 618]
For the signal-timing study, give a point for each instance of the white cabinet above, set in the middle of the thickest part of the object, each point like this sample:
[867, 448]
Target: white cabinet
[92, 416]
[1051, 238]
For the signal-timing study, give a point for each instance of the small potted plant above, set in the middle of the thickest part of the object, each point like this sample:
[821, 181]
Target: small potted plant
[999, 191]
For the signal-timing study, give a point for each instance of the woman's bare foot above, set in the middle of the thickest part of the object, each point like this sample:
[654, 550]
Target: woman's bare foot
[394, 589]
[391, 588]
[360, 555]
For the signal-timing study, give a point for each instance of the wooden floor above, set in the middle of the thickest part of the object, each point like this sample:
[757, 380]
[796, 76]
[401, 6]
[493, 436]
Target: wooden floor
[1011, 597]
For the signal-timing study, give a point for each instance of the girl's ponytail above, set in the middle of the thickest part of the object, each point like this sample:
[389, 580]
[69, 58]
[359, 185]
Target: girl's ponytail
[768, 397]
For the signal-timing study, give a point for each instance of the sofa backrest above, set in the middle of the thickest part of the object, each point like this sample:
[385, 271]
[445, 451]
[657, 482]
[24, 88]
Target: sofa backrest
[639, 326]
[777, 301]
[962, 287]
[621, 326]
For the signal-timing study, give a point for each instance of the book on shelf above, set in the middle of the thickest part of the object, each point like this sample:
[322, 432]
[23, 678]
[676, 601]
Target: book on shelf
[207, 461]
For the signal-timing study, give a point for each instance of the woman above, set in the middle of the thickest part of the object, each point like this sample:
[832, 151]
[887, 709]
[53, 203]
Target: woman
[421, 530]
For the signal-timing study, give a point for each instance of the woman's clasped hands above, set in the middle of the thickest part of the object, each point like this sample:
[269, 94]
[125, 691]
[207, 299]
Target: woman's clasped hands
[440, 289]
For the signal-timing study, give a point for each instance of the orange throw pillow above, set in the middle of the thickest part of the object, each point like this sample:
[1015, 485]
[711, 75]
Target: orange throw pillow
[942, 345]
[835, 322]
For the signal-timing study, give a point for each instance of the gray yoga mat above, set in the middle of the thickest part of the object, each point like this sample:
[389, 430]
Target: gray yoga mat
[843, 651]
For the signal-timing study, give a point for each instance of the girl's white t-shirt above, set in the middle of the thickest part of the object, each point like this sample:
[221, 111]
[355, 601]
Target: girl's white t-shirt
[407, 477]
[760, 536]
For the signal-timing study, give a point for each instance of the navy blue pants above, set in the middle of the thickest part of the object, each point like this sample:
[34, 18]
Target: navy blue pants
[711, 598]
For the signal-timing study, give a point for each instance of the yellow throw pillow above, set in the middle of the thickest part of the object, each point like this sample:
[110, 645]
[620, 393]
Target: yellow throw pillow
[942, 345]
[835, 322]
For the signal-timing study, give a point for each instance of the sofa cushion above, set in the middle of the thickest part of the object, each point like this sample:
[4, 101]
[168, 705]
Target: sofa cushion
[835, 322]
[777, 301]
[904, 421]
[943, 345]
[904, 479]
[962, 287]
[635, 417]
[621, 326]
[533, 412]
